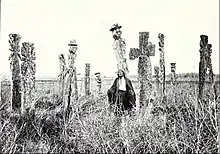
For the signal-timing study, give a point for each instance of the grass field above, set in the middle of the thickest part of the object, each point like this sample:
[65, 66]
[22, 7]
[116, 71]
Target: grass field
[178, 123]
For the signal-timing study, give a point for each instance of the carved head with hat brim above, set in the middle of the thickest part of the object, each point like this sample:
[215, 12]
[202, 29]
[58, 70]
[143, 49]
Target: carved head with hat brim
[116, 32]
[72, 43]
[97, 73]
[73, 46]
[114, 27]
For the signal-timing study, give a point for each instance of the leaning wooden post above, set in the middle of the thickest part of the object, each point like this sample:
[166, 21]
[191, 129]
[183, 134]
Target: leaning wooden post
[28, 71]
[87, 79]
[119, 47]
[146, 49]
[14, 40]
[62, 75]
[173, 73]
[162, 63]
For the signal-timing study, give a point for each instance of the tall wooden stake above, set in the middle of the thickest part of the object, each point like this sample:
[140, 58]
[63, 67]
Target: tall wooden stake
[173, 73]
[162, 63]
[14, 40]
[72, 69]
[156, 72]
[87, 79]
[204, 122]
[62, 74]
[28, 71]
[98, 82]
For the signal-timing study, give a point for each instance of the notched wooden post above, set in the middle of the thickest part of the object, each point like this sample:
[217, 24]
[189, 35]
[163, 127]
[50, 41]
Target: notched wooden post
[28, 71]
[98, 82]
[157, 80]
[72, 68]
[70, 88]
[162, 63]
[61, 76]
[173, 73]
[87, 79]
[14, 40]
[204, 108]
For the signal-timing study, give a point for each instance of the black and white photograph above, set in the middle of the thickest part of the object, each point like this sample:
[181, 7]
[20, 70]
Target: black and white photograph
[109, 76]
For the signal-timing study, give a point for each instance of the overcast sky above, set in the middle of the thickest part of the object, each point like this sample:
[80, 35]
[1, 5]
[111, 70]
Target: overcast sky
[51, 24]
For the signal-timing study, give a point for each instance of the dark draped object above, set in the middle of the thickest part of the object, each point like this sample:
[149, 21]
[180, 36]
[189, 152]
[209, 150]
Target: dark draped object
[121, 100]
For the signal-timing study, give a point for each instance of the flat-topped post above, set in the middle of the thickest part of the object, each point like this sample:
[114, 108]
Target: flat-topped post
[173, 72]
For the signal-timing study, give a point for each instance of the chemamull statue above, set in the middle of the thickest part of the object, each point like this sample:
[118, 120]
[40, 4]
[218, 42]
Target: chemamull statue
[119, 48]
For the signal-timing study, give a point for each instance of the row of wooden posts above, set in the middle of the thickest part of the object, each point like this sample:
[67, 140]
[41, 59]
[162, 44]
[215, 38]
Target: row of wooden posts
[23, 77]
[147, 49]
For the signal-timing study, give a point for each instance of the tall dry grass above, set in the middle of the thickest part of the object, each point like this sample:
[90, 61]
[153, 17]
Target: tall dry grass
[179, 123]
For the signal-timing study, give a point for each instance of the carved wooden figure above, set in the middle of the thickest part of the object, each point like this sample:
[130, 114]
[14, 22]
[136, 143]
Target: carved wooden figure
[205, 64]
[62, 74]
[162, 62]
[28, 71]
[207, 129]
[87, 79]
[70, 78]
[14, 40]
[143, 53]
[173, 73]
[99, 82]
[119, 47]
[72, 57]
[157, 80]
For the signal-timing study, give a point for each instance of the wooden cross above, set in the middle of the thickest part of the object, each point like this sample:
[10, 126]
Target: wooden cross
[143, 53]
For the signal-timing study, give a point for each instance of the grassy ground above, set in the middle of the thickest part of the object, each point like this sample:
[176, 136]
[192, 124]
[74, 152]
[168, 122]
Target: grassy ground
[178, 123]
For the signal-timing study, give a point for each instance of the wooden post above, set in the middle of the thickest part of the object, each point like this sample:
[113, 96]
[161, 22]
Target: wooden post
[87, 79]
[28, 71]
[98, 82]
[157, 80]
[72, 69]
[146, 49]
[202, 68]
[62, 75]
[162, 63]
[204, 122]
[70, 94]
[14, 40]
[119, 48]
[75, 85]
[173, 73]
[205, 65]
